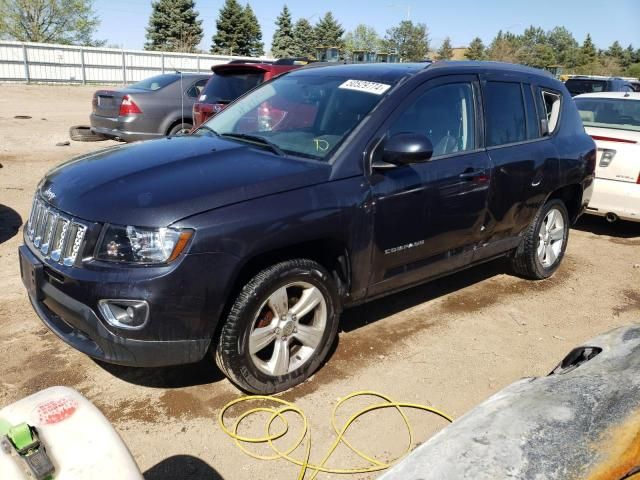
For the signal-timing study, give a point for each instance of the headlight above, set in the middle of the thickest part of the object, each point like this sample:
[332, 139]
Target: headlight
[142, 245]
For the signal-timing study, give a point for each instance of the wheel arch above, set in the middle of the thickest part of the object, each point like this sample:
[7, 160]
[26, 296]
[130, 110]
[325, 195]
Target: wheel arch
[571, 195]
[169, 124]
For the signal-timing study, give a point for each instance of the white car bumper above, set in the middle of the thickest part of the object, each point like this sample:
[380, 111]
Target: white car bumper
[613, 196]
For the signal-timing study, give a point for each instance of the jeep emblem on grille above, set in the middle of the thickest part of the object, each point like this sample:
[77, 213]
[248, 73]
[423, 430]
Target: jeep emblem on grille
[49, 194]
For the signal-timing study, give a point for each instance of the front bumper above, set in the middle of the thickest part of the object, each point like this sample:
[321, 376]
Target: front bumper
[122, 129]
[614, 196]
[78, 325]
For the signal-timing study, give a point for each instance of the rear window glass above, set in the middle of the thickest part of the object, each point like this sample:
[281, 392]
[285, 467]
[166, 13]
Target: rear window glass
[155, 83]
[504, 110]
[226, 86]
[621, 114]
[578, 87]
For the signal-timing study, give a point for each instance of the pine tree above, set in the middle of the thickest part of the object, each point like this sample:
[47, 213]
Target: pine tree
[229, 36]
[446, 50]
[252, 42]
[616, 50]
[283, 44]
[304, 39]
[328, 32]
[476, 50]
[588, 52]
[173, 26]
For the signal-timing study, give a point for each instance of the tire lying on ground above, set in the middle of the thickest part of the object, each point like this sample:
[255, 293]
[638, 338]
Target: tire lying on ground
[83, 133]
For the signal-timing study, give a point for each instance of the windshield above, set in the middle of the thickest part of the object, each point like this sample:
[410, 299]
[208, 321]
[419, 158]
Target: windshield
[226, 86]
[578, 87]
[155, 83]
[621, 114]
[304, 115]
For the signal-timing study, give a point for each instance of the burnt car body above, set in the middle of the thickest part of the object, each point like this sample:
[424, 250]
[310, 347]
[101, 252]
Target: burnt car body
[152, 108]
[582, 421]
[375, 178]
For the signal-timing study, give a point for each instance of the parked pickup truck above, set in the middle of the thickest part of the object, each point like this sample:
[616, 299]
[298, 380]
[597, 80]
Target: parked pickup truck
[248, 238]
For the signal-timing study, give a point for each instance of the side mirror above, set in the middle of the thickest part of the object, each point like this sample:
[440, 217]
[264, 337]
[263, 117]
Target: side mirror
[407, 148]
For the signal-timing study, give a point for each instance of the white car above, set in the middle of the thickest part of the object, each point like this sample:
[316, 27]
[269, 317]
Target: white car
[613, 121]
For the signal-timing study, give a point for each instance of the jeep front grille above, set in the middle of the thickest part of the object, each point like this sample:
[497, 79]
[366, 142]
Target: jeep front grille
[57, 236]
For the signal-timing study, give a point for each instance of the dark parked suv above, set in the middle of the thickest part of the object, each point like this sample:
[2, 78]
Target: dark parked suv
[248, 240]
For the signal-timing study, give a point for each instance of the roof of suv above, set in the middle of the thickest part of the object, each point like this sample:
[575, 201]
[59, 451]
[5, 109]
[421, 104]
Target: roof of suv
[392, 72]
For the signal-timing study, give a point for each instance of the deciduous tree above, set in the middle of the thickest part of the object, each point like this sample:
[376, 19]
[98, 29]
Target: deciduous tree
[409, 40]
[49, 21]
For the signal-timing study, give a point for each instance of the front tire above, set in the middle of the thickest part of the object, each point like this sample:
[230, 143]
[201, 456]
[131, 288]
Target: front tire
[544, 242]
[280, 328]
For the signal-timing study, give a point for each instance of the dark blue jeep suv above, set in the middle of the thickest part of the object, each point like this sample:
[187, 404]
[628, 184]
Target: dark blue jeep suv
[324, 188]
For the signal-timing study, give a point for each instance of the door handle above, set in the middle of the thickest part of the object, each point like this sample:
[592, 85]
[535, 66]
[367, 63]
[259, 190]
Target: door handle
[473, 174]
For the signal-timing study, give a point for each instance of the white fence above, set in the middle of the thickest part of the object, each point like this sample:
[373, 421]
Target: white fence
[43, 62]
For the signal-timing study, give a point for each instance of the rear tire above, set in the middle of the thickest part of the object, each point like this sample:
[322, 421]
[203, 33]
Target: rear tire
[180, 129]
[280, 328]
[544, 242]
[83, 133]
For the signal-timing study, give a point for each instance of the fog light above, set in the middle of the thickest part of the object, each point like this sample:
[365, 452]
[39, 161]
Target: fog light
[128, 314]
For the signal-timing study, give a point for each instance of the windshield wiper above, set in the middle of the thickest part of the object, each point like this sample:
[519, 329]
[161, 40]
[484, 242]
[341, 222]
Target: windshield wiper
[256, 139]
[209, 129]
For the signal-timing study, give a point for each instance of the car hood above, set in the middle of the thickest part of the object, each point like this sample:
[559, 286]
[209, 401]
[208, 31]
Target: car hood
[158, 182]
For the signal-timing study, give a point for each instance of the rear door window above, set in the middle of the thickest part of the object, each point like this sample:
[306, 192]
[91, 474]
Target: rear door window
[505, 115]
[225, 86]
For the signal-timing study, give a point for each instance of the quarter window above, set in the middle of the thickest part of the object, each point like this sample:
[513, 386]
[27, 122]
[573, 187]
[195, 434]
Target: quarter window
[444, 114]
[505, 114]
[551, 103]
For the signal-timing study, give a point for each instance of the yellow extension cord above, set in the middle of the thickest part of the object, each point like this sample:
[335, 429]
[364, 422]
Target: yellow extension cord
[306, 433]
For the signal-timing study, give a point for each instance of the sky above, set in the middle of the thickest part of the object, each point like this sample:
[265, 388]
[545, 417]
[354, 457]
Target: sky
[123, 22]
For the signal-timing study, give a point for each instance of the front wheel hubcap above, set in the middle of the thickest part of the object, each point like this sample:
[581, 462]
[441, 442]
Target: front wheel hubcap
[551, 238]
[288, 328]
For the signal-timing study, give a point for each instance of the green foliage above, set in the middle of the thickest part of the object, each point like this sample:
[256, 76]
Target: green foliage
[476, 50]
[633, 70]
[504, 47]
[445, 52]
[174, 26]
[237, 31]
[283, 44]
[252, 33]
[328, 32]
[304, 39]
[588, 52]
[49, 21]
[362, 38]
[616, 50]
[410, 40]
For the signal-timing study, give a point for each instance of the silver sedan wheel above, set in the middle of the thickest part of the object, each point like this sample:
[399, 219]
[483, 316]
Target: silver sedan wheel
[551, 238]
[288, 328]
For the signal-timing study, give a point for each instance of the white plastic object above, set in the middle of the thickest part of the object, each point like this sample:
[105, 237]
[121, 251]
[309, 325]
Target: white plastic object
[79, 440]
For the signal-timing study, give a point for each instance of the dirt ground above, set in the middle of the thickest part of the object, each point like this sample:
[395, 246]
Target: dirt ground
[451, 343]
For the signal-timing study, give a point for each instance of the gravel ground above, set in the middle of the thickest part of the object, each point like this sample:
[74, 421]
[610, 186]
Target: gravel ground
[451, 343]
